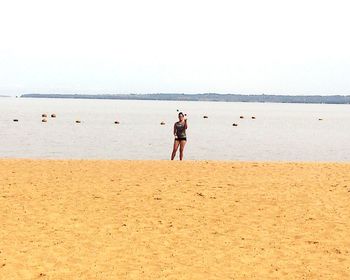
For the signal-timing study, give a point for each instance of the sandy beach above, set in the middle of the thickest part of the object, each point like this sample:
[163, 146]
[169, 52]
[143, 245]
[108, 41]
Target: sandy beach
[174, 220]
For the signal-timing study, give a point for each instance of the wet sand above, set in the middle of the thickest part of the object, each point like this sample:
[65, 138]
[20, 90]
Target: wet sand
[173, 220]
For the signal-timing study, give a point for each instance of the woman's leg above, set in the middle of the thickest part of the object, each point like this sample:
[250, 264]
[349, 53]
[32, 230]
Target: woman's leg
[182, 147]
[176, 146]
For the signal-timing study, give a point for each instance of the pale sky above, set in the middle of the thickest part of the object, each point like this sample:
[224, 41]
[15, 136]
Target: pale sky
[184, 46]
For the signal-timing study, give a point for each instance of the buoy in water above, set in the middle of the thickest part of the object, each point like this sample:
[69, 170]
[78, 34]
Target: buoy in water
[205, 117]
[116, 122]
[44, 115]
[253, 118]
[53, 115]
[234, 124]
[320, 119]
[241, 117]
[162, 123]
[77, 121]
[44, 120]
[15, 120]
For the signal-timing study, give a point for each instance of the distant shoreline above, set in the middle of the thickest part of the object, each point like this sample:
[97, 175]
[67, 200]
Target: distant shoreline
[261, 98]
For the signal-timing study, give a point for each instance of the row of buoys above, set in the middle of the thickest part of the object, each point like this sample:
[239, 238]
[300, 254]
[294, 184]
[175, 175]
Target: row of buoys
[241, 117]
[77, 121]
[54, 116]
[45, 115]
[44, 120]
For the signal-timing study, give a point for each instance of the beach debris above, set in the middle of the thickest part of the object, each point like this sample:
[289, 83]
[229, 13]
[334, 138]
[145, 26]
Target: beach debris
[44, 120]
[162, 123]
[77, 121]
[205, 117]
[116, 122]
[44, 115]
[15, 120]
[241, 117]
[234, 124]
[200, 194]
[253, 118]
[53, 115]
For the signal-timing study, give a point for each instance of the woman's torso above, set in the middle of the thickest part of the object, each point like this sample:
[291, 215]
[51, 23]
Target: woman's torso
[180, 129]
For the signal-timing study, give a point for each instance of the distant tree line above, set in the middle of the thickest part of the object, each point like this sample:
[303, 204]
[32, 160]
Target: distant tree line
[327, 99]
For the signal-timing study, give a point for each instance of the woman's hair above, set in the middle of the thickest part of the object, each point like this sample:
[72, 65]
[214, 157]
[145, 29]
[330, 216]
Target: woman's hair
[181, 114]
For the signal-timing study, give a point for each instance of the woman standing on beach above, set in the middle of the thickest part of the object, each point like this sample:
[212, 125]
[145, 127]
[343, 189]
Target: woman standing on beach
[180, 136]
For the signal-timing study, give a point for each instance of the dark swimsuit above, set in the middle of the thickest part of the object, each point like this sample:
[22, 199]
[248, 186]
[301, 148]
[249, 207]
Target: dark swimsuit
[180, 131]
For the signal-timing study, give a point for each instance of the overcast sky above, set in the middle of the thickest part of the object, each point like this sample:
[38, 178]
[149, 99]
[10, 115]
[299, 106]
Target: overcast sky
[184, 46]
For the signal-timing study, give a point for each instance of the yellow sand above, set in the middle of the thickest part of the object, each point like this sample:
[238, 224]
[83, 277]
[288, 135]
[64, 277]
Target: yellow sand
[173, 220]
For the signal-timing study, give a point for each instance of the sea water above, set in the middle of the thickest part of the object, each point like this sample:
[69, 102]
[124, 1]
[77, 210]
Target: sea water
[279, 132]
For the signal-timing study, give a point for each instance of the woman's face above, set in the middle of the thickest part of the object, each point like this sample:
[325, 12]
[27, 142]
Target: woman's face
[181, 117]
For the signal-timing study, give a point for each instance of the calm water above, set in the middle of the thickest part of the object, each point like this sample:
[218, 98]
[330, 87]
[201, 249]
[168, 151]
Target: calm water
[286, 132]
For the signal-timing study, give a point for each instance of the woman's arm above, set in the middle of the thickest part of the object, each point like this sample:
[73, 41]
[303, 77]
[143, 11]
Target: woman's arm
[174, 129]
[186, 123]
